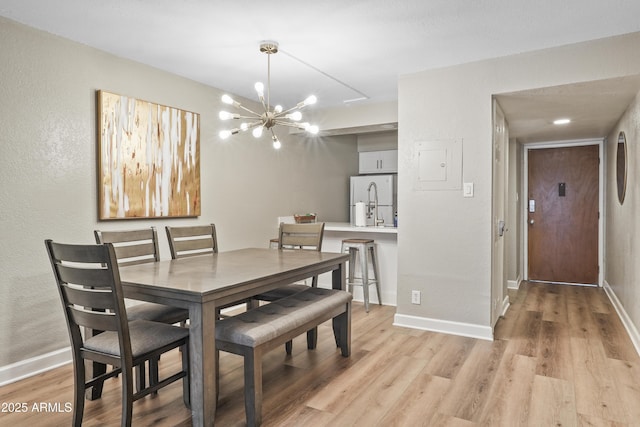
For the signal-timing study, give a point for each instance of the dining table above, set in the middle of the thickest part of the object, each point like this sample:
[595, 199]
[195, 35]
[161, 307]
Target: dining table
[202, 283]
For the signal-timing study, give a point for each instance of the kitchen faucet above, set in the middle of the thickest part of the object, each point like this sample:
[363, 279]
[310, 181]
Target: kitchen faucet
[376, 220]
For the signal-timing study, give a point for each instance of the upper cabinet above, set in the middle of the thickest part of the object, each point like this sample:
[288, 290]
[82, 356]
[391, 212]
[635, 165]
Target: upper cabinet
[385, 161]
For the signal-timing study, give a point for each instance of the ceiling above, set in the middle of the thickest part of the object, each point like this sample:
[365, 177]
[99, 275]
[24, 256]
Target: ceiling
[593, 107]
[348, 53]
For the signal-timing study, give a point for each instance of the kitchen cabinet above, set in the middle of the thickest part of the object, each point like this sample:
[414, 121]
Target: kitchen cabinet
[385, 161]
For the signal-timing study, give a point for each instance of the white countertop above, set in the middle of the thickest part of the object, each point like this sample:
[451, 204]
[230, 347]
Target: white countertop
[345, 226]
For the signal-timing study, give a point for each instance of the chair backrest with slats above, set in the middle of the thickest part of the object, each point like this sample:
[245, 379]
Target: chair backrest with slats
[132, 246]
[89, 285]
[192, 240]
[301, 236]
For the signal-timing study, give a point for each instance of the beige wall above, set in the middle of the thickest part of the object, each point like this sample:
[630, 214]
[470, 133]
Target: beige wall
[622, 237]
[444, 240]
[48, 172]
[378, 141]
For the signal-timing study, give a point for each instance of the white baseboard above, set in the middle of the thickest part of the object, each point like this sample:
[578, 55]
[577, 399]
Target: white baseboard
[505, 305]
[33, 366]
[624, 317]
[514, 284]
[444, 326]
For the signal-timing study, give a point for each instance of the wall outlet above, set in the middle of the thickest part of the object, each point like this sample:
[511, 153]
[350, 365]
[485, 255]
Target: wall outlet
[415, 297]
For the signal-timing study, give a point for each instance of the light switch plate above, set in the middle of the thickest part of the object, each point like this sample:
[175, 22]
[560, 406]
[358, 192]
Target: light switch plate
[467, 189]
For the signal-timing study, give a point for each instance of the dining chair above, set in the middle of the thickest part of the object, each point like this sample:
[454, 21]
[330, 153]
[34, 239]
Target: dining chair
[88, 282]
[192, 240]
[296, 237]
[136, 247]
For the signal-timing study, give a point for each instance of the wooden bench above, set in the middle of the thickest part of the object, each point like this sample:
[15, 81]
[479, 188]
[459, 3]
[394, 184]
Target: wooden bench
[259, 330]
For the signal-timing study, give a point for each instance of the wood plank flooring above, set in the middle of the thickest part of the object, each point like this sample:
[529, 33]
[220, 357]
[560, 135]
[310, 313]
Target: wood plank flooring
[561, 358]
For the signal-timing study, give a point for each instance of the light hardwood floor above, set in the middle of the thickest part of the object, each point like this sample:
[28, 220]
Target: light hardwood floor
[561, 358]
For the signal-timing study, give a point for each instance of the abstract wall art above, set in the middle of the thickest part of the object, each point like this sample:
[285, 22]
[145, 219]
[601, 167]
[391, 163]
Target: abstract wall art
[148, 159]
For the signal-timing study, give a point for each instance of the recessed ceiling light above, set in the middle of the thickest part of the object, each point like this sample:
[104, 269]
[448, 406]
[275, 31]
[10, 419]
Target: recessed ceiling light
[561, 121]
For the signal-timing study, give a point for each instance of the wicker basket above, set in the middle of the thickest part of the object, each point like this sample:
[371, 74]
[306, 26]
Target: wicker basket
[305, 219]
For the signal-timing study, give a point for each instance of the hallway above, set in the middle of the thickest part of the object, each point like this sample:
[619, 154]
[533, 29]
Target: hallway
[582, 368]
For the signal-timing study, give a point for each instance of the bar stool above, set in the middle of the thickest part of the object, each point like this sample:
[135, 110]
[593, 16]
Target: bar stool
[363, 249]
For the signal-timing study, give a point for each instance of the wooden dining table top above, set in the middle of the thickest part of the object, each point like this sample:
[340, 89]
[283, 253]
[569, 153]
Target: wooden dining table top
[205, 277]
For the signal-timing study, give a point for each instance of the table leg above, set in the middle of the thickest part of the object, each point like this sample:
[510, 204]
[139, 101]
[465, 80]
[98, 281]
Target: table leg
[93, 369]
[338, 281]
[202, 363]
[338, 277]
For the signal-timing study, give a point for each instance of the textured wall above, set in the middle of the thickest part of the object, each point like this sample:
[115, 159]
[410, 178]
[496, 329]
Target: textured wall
[48, 172]
[622, 237]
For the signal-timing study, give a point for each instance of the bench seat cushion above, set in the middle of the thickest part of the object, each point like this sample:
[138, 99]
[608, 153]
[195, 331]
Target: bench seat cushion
[269, 321]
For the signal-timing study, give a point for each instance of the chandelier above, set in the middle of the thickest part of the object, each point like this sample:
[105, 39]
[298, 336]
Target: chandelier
[271, 116]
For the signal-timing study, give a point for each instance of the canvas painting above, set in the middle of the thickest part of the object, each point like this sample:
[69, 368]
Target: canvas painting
[149, 159]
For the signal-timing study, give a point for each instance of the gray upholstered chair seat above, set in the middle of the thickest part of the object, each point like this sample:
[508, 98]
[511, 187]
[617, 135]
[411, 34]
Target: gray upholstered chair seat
[146, 336]
[157, 313]
[269, 321]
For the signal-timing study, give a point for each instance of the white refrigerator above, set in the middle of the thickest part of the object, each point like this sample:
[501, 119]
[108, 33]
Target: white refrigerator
[362, 190]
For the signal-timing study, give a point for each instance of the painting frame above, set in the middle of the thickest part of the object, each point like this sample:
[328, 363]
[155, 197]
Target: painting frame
[148, 159]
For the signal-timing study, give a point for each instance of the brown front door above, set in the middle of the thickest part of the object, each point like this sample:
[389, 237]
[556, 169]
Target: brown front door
[563, 214]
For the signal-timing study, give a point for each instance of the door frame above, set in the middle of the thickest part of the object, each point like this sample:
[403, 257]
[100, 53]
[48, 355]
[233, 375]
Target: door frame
[525, 199]
[499, 212]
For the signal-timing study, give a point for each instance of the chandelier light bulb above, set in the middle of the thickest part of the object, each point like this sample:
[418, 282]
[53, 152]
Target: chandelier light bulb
[257, 132]
[277, 109]
[276, 142]
[310, 100]
[244, 126]
[224, 134]
[260, 89]
[295, 116]
[312, 129]
[225, 115]
[227, 99]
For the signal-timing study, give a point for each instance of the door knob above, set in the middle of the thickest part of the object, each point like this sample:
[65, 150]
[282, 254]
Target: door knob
[531, 221]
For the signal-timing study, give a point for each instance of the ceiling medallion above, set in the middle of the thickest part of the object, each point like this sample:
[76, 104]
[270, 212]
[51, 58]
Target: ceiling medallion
[271, 116]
